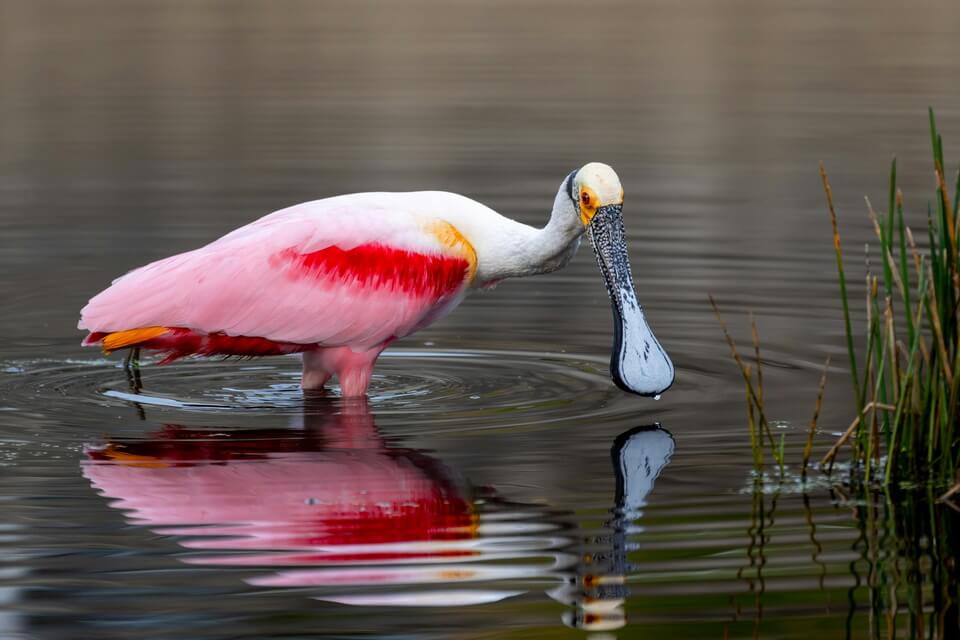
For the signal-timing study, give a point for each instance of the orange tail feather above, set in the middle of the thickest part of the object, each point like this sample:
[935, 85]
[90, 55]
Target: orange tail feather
[132, 337]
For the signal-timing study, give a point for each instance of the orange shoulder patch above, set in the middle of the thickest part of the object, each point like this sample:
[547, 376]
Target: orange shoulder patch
[450, 237]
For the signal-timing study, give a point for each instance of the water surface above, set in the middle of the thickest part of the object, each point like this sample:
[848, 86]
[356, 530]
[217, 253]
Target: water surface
[496, 483]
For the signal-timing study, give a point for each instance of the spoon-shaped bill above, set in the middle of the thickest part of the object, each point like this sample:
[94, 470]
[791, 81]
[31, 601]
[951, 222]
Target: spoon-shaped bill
[638, 363]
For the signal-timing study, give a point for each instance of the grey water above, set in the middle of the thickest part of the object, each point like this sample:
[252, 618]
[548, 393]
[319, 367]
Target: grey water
[496, 483]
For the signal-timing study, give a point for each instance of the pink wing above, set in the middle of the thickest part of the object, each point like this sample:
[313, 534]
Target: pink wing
[329, 275]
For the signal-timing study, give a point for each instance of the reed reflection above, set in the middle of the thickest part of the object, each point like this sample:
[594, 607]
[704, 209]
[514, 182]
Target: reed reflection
[329, 506]
[906, 573]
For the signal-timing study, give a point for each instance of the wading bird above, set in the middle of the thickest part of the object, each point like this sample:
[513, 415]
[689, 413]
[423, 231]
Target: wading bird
[339, 279]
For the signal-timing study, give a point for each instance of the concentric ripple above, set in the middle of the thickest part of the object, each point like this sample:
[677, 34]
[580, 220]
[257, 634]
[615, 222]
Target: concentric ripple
[485, 388]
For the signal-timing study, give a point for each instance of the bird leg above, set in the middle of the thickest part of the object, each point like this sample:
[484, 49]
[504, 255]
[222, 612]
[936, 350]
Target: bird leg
[315, 370]
[355, 378]
[353, 368]
[131, 366]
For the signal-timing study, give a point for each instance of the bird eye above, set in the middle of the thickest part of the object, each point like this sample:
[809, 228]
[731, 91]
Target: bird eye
[585, 198]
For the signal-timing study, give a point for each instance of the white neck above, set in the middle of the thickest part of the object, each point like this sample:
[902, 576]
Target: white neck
[521, 250]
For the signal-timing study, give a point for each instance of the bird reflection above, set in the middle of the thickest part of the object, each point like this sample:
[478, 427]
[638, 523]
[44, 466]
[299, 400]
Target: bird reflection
[331, 506]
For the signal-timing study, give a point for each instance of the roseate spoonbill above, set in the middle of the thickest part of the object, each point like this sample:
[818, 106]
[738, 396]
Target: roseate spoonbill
[339, 279]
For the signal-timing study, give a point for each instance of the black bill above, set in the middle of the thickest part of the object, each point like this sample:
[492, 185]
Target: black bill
[638, 363]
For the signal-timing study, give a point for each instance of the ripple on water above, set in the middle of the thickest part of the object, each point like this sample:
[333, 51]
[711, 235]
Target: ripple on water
[324, 507]
[470, 388]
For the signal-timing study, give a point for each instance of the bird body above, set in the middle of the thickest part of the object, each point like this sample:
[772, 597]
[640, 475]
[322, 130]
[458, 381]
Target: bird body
[336, 279]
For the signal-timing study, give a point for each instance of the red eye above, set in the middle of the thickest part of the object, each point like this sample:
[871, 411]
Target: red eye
[585, 198]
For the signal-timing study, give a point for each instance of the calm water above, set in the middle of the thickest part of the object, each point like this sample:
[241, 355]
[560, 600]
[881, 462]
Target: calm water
[496, 484]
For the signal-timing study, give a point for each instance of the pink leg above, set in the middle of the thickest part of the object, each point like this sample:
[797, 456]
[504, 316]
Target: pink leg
[315, 374]
[354, 368]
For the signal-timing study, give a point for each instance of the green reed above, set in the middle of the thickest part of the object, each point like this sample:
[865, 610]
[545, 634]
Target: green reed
[907, 384]
[761, 437]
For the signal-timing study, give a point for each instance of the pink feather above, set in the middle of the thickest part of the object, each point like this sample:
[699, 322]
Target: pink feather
[350, 277]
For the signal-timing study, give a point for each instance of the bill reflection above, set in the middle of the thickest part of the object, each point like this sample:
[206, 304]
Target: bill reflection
[328, 506]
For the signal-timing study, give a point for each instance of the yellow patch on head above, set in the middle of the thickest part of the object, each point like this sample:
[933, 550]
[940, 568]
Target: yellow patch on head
[599, 187]
[121, 339]
[450, 237]
[588, 204]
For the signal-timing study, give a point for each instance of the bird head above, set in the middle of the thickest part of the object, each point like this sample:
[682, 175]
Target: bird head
[594, 188]
[638, 363]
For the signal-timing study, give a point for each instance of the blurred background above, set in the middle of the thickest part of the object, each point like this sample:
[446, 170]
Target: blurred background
[133, 130]
[130, 131]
